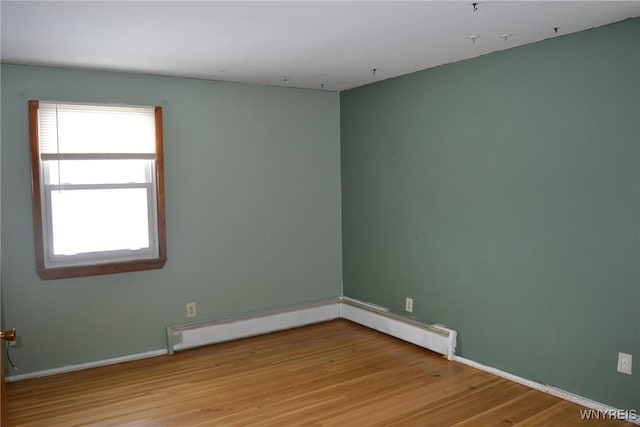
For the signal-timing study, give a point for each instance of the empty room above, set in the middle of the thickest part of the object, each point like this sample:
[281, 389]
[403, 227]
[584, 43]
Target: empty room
[320, 213]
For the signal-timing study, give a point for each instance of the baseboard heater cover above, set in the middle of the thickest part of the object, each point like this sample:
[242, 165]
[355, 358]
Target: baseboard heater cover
[432, 337]
[182, 337]
[437, 338]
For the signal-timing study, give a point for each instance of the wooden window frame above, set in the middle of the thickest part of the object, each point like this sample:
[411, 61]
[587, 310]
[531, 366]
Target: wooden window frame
[51, 273]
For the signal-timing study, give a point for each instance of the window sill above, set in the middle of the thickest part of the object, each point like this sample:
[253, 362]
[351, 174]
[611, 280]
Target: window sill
[100, 269]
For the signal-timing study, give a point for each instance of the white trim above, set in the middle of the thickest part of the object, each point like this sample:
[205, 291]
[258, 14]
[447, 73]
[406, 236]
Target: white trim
[88, 365]
[554, 391]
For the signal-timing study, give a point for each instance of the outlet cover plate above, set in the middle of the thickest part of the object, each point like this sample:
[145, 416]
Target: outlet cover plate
[624, 363]
[191, 309]
[408, 306]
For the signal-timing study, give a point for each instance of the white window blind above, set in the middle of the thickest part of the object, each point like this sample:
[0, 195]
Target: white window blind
[95, 129]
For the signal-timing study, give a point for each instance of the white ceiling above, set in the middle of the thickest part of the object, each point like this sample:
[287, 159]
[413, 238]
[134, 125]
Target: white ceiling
[309, 43]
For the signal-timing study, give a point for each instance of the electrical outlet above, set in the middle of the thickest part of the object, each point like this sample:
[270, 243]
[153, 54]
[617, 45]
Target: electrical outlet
[191, 309]
[624, 363]
[408, 305]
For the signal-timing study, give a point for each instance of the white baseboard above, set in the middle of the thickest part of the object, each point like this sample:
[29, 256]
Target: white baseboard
[562, 394]
[254, 324]
[89, 365]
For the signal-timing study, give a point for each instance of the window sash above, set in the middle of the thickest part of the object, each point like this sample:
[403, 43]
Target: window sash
[140, 171]
[97, 257]
[51, 259]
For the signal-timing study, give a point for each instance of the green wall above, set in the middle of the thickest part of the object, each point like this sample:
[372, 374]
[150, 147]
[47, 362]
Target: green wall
[253, 213]
[502, 193]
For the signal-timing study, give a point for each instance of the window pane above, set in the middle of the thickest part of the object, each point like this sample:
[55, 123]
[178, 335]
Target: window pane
[97, 171]
[99, 220]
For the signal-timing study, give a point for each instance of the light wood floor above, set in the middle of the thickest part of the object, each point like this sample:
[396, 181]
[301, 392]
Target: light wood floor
[335, 373]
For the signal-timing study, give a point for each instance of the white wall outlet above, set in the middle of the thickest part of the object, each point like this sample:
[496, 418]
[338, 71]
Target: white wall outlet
[191, 309]
[624, 363]
[408, 305]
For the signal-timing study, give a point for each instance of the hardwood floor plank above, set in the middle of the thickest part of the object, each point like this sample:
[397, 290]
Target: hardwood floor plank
[513, 411]
[335, 373]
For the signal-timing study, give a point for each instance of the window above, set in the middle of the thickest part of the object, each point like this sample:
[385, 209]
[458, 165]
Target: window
[98, 188]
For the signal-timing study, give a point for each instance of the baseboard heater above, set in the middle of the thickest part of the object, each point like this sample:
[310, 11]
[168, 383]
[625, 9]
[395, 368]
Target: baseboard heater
[433, 337]
[437, 338]
[182, 337]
